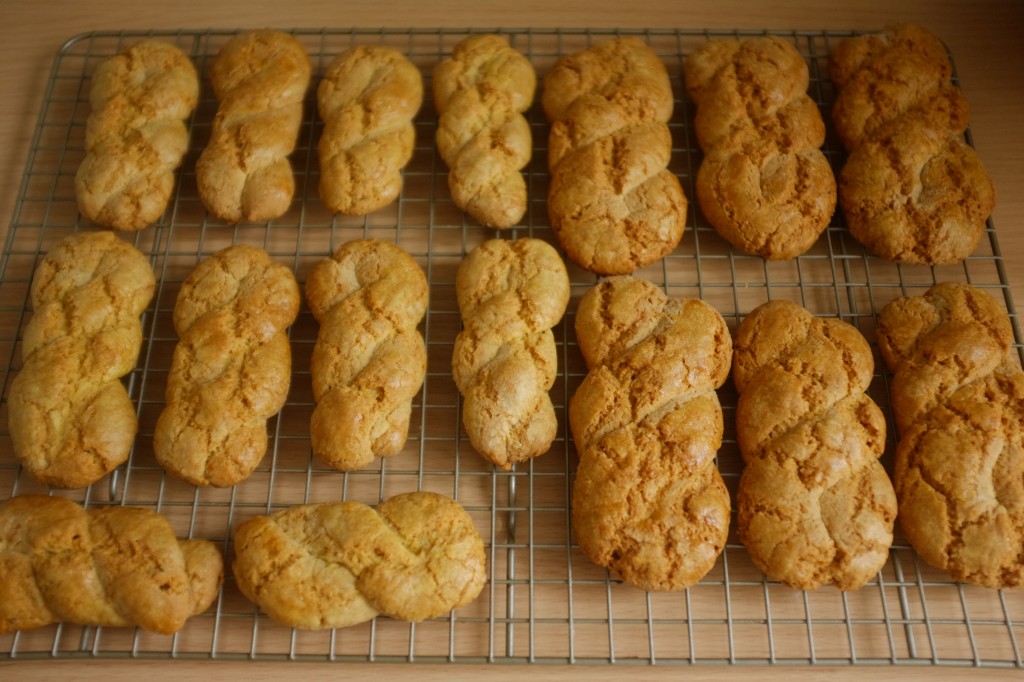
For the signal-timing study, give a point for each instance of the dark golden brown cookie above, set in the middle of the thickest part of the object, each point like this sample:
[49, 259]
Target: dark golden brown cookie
[614, 205]
[763, 183]
[649, 503]
[912, 190]
[814, 505]
[958, 399]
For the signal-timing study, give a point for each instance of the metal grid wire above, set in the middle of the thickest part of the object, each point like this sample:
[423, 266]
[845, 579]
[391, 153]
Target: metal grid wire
[544, 601]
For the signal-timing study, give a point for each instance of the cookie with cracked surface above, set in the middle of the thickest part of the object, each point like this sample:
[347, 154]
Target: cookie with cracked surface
[367, 100]
[814, 505]
[135, 136]
[614, 205]
[369, 360]
[335, 564]
[649, 503]
[70, 418]
[260, 78]
[912, 190]
[105, 566]
[510, 295]
[231, 368]
[481, 92]
[763, 183]
[958, 399]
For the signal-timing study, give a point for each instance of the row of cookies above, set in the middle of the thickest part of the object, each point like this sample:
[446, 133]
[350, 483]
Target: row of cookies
[325, 565]
[72, 422]
[813, 505]
[912, 190]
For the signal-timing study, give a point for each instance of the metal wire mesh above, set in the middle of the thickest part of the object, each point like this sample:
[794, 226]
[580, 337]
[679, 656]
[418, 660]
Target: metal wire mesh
[544, 601]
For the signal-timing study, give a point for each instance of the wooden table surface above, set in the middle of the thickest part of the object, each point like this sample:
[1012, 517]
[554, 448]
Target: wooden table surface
[983, 36]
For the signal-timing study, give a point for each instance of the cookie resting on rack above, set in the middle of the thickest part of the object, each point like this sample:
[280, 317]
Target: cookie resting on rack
[912, 189]
[958, 398]
[614, 204]
[335, 564]
[649, 503]
[70, 417]
[814, 505]
[369, 360]
[105, 566]
[135, 136]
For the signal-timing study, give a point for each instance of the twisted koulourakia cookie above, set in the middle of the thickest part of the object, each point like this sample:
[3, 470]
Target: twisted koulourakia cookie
[649, 503]
[510, 294]
[912, 190]
[958, 399]
[135, 136]
[764, 183]
[106, 566]
[369, 360]
[480, 93]
[814, 505]
[613, 203]
[335, 564]
[70, 417]
[260, 78]
[367, 100]
[231, 368]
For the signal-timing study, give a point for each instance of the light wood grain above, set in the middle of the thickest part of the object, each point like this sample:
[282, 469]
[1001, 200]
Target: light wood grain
[983, 36]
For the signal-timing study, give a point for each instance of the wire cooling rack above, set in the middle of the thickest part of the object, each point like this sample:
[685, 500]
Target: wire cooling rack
[544, 601]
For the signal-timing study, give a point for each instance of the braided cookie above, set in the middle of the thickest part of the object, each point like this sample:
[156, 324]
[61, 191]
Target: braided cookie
[958, 400]
[814, 505]
[369, 360]
[510, 294]
[106, 566]
[135, 136]
[367, 99]
[70, 417]
[763, 184]
[613, 203]
[912, 190]
[335, 564]
[231, 368]
[648, 502]
[260, 78]
[481, 92]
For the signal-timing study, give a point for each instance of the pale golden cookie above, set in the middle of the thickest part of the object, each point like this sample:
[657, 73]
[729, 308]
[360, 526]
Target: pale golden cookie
[912, 190]
[958, 399]
[70, 417]
[367, 100]
[369, 360]
[614, 205]
[260, 78]
[649, 503]
[135, 136]
[763, 183]
[510, 294]
[231, 368]
[106, 566]
[480, 93]
[335, 564]
[814, 505]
